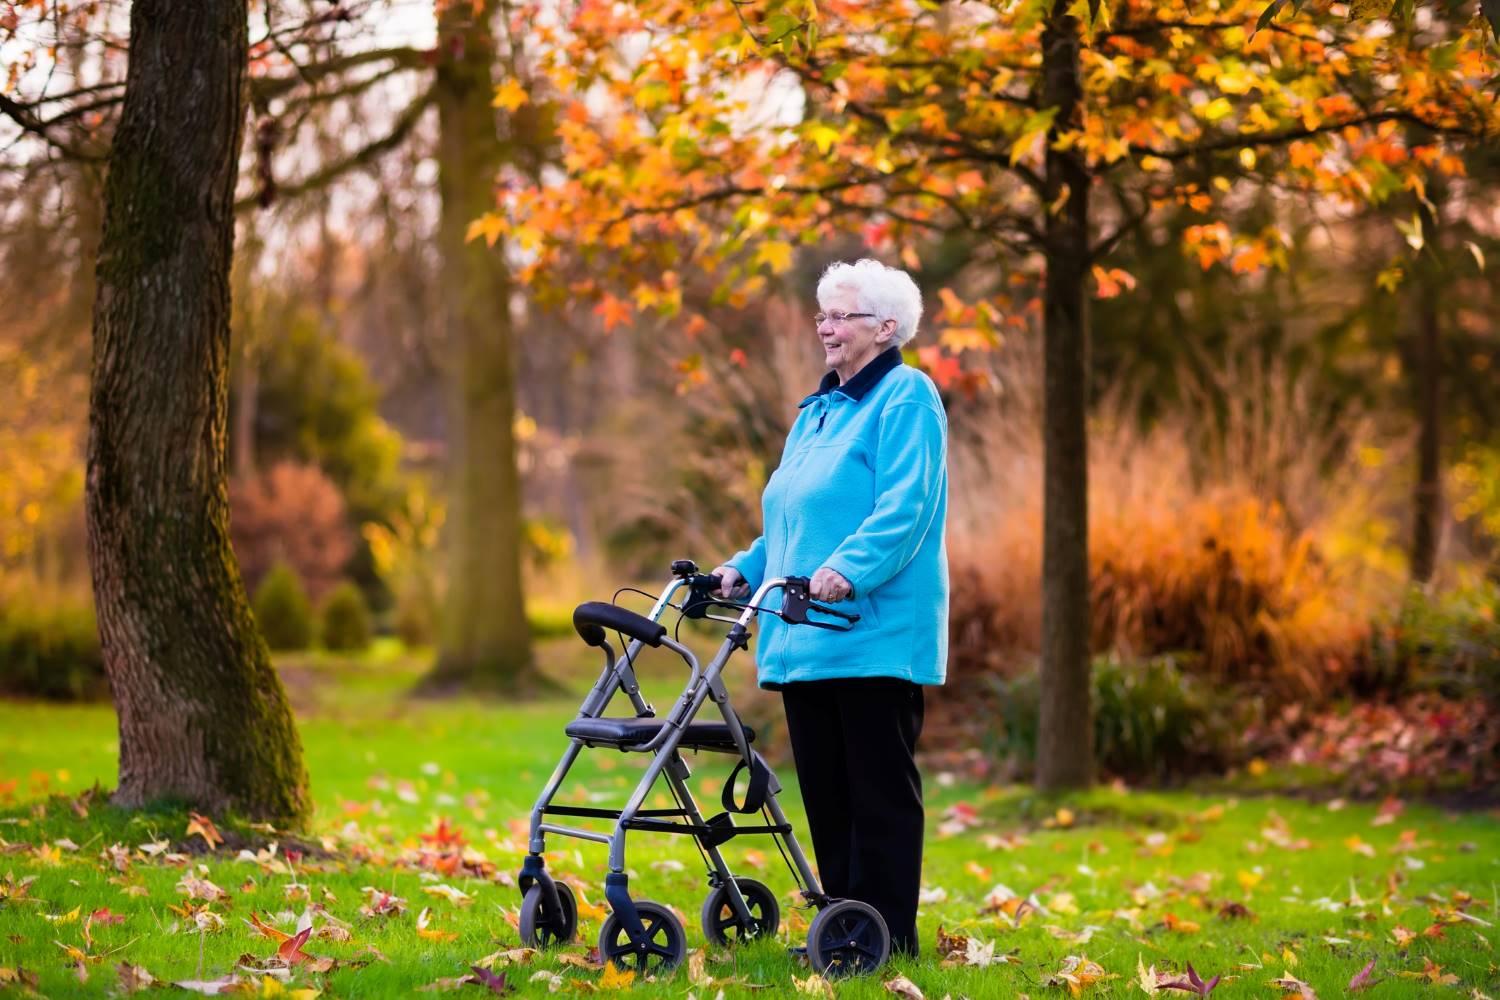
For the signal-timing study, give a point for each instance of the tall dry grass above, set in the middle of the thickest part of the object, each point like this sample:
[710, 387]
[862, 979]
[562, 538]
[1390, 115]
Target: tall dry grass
[1254, 531]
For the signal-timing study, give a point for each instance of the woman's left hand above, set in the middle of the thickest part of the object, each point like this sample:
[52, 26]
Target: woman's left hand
[828, 585]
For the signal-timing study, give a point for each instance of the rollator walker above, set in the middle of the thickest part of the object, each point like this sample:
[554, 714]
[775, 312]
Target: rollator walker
[845, 937]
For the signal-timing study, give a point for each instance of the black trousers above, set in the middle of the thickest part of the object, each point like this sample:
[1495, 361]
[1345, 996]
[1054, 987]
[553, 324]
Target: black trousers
[854, 741]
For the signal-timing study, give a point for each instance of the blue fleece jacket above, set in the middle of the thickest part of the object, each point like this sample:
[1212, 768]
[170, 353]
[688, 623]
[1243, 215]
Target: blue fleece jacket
[862, 489]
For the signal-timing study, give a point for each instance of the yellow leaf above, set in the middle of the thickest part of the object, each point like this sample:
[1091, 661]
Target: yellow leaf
[776, 253]
[63, 918]
[510, 95]
[814, 985]
[489, 225]
[616, 978]
[823, 136]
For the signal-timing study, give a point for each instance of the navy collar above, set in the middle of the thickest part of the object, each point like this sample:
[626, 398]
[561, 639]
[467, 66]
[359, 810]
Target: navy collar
[863, 381]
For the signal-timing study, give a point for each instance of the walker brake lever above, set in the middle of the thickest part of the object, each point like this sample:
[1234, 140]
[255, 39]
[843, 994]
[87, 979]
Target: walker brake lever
[796, 600]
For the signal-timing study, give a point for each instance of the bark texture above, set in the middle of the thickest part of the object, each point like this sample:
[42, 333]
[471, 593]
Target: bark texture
[485, 641]
[203, 717]
[1065, 752]
[1427, 497]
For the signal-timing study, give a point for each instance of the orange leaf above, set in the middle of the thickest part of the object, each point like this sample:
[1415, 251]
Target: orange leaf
[204, 827]
[266, 930]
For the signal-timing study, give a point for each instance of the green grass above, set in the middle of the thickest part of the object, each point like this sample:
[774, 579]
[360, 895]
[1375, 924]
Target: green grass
[1151, 872]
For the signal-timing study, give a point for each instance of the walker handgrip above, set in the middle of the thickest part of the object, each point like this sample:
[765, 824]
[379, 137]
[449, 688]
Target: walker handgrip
[593, 617]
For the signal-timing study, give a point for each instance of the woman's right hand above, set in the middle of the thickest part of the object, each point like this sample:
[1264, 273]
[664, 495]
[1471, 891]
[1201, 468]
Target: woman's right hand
[731, 584]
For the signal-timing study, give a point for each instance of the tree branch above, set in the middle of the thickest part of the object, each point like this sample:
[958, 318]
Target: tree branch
[361, 157]
[1293, 134]
[23, 116]
[266, 88]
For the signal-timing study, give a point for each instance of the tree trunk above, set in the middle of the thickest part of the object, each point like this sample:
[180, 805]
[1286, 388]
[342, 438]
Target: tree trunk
[485, 641]
[1427, 498]
[203, 717]
[1065, 754]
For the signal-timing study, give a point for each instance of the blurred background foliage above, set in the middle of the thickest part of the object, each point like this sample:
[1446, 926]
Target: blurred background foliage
[1252, 467]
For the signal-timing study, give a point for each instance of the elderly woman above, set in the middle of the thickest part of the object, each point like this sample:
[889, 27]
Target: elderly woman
[859, 501]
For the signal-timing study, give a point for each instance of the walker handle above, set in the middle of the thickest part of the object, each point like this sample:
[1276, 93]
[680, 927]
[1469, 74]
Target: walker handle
[797, 600]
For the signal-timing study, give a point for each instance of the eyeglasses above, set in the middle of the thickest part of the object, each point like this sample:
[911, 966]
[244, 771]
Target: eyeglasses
[839, 317]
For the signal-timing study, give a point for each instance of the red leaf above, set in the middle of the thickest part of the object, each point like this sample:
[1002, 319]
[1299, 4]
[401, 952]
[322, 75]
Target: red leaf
[291, 948]
[1192, 984]
[496, 983]
[1361, 978]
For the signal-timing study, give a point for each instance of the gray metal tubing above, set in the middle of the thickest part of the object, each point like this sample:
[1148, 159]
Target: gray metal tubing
[721, 867]
[569, 831]
[798, 858]
[538, 842]
[612, 678]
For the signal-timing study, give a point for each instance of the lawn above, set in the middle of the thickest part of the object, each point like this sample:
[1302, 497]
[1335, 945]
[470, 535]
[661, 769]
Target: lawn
[425, 803]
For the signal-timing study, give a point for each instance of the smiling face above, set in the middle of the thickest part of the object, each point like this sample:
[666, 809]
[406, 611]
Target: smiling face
[854, 343]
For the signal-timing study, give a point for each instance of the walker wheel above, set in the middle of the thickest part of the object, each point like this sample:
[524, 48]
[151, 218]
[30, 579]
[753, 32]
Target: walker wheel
[722, 926]
[540, 927]
[663, 949]
[848, 938]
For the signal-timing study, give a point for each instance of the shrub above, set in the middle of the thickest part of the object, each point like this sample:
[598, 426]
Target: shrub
[1447, 642]
[416, 616]
[346, 619]
[1224, 585]
[51, 649]
[292, 514]
[283, 611]
[1152, 721]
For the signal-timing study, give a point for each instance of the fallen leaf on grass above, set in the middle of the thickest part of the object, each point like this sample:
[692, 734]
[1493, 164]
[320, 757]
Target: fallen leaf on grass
[381, 904]
[266, 930]
[18, 975]
[494, 983]
[904, 988]
[1077, 973]
[507, 956]
[204, 827]
[133, 978]
[1177, 925]
[1289, 983]
[1192, 984]
[273, 988]
[212, 987]
[290, 951]
[200, 888]
[1433, 973]
[590, 961]
[455, 896]
[814, 986]
[447, 983]
[431, 933]
[1362, 978]
[153, 848]
[616, 978]
[553, 980]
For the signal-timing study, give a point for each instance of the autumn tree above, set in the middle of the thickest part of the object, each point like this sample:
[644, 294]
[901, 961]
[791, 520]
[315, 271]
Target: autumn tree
[202, 714]
[327, 104]
[720, 137]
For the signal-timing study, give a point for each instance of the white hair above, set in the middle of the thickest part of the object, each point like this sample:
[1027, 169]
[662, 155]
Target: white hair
[888, 292]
